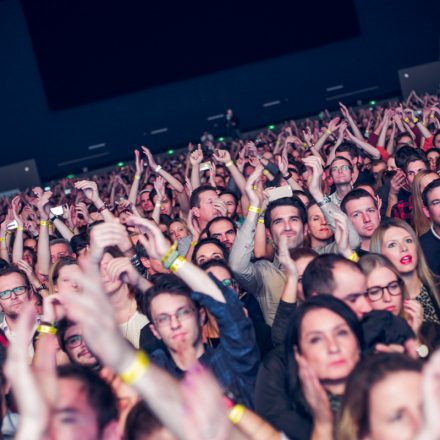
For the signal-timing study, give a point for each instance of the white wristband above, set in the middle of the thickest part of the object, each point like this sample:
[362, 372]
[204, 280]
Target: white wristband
[158, 168]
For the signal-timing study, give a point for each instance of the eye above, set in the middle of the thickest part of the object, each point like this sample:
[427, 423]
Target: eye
[409, 240]
[391, 245]
[342, 332]
[314, 339]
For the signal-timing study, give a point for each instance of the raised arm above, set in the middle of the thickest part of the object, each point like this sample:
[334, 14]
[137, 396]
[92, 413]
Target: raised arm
[90, 189]
[43, 250]
[364, 145]
[139, 163]
[224, 157]
[345, 112]
[17, 249]
[196, 158]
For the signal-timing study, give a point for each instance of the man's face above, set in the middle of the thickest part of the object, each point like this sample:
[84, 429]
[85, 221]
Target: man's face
[377, 168]
[77, 348]
[175, 321]
[433, 209]
[433, 158]
[73, 418]
[340, 172]
[286, 220]
[231, 204]
[13, 305]
[57, 251]
[351, 287]
[223, 231]
[207, 211]
[346, 154]
[367, 163]
[413, 169]
[364, 215]
[406, 140]
[146, 203]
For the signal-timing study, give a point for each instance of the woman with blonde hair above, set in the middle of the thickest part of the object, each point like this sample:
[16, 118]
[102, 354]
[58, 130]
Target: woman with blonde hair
[396, 240]
[421, 181]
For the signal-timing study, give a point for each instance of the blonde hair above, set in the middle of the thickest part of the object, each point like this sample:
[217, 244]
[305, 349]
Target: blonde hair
[424, 273]
[420, 221]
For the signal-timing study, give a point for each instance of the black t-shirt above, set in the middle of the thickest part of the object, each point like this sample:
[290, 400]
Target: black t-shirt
[431, 248]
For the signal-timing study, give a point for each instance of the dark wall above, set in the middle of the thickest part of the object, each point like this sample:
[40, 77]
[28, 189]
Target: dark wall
[394, 34]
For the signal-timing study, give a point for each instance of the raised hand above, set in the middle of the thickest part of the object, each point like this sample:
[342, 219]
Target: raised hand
[397, 182]
[333, 124]
[414, 314]
[196, 157]
[139, 163]
[285, 259]
[315, 180]
[43, 205]
[159, 186]
[122, 269]
[222, 156]
[104, 235]
[89, 188]
[341, 234]
[251, 192]
[15, 205]
[151, 162]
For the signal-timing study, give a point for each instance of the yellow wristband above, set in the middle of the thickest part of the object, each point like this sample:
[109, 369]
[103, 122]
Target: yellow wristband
[136, 177]
[20, 228]
[254, 187]
[432, 116]
[48, 329]
[169, 252]
[415, 120]
[266, 172]
[254, 209]
[193, 243]
[44, 223]
[406, 119]
[354, 257]
[261, 220]
[2, 239]
[236, 413]
[137, 368]
[229, 163]
[328, 131]
[178, 263]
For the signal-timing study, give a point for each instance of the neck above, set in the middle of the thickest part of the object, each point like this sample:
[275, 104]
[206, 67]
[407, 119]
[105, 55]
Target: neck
[122, 303]
[202, 223]
[412, 282]
[342, 190]
[436, 228]
[336, 388]
[187, 357]
[11, 321]
[365, 244]
[316, 243]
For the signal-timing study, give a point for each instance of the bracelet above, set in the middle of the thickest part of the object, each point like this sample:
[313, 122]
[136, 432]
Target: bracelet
[178, 263]
[432, 116]
[193, 243]
[167, 254]
[260, 220]
[171, 259]
[415, 120]
[406, 119]
[324, 201]
[266, 172]
[354, 257]
[288, 176]
[328, 131]
[47, 329]
[20, 228]
[2, 239]
[236, 413]
[305, 145]
[137, 177]
[8, 232]
[254, 187]
[44, 223]
[158, 168]
[254, 209]
[136, 369]
[229, 163]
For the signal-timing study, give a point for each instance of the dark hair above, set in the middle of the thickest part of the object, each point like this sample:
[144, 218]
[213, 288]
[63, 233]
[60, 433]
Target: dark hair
[99, 393]
[403, 153]
[341, 158]
[216, 263]
[348, 147]
[214, 241]
[79, 242]
[401, 136]
[61, 241]
[355, 194]
[141, 422]
[354, 415]
[32, 253]
[285, 201]
[434, 184]
[10, 269]
[62, 326]
[55, 270]
[231, 193]
[218, 219]
[168, 193]
[194, 201]
[415, 158]
[163, 283]
[318, 276]
[302, 252]
[165, 219]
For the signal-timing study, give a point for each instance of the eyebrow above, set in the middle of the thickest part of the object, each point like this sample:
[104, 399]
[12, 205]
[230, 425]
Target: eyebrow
[342, 324]
[67, 409]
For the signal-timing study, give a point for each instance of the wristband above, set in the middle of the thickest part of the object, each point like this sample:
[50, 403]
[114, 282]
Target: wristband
[406, 119]
[136, 369]
[415, 120]
[288, 176]
[354, 257]
[178, 263]
[2, 239]
[158, 168]
[261, 220]
[305, 145]
[236, 413]
[44, 223]
[47, 329]
[193, 243]
[432, 116]
[171, 259]
[266, 172]
[20, 228]
[328, 131]
[254, 187]
[229, 163]
[137, 177]
[254, 209]
[169, 252]
[324, 201]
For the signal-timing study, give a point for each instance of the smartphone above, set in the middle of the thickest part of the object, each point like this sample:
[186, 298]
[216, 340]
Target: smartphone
[205, 166]
[67, 191]
[57, 210]
[279, 192]
[13, 225]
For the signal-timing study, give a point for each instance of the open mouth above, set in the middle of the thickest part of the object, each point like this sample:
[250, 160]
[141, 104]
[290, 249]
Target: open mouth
[407, 259]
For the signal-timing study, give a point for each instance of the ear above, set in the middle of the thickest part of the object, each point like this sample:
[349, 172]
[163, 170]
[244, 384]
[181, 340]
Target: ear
[202, 316]
[196, 212]
[306, 229]
[426, 211]
[154, 331]
[145, 262]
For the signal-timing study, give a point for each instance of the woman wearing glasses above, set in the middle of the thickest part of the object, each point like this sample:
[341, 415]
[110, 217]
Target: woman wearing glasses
[387, 291]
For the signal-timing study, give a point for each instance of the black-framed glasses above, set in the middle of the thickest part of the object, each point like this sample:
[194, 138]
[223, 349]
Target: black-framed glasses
[164, 319]
[74, 341]
[394, 288]
[17, 291]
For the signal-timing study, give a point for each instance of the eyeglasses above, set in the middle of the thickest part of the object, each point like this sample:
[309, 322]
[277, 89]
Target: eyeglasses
[376, 293]
[342, 168]
[17, 291]
[74, 341]
[182, 314]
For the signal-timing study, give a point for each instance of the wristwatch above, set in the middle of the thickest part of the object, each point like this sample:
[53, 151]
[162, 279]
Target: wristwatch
[324, 201]
[52, 216]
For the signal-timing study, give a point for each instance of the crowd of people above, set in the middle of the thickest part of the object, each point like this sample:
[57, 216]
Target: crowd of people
[284, 286]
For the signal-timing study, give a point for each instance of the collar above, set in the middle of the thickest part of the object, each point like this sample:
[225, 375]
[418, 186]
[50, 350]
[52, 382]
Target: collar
[434, 233]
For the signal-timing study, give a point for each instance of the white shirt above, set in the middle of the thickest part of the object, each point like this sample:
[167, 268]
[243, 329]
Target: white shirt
[131, 329]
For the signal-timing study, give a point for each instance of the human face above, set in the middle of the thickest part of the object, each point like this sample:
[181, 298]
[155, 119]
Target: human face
[413, 169]
[30, 242]
[165, 205]
[73, 417]
[223, 231]
[340, 171]
[179, 334]
[399, 247]
[57, 251]
[364, 215]
[67, 279]
[367, 163]
[376, 169]
[231, 205]
[77, 348]
[433, 209]
[110, 286]
[433, 158]
[209, 251]
[177, 231]
[395, 406]
[207, 211]
[301, 265]
[426, 180]
[286, 220]
[317, 225]
[27, 257]
[351, 287]
[381, 277]
[406, 140]
[13, 305]
[347, 156]
[328, 344]
[146, 203]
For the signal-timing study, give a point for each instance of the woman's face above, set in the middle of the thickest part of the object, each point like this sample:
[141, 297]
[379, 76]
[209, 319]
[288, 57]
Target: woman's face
[395, 407]
[67, 279]
[177, 231]
[209, 251]
[328, 344]
[399, 246]
[384, 290]
[318, 227]
[426, 180]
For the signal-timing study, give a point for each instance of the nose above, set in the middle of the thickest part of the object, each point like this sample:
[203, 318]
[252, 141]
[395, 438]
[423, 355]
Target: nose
[323, 221]
[174, 322]
[287, 226]
[365, 217]
[386, 296]
[364, 306]
[403, 247]
[332, 345]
